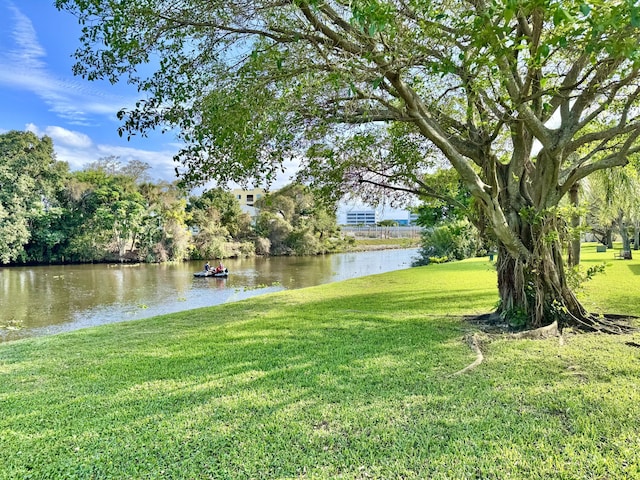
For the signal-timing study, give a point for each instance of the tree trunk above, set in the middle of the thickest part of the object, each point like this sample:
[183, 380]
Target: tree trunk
[534, 293]
[609, 238]
[574, 246]
[624, 233]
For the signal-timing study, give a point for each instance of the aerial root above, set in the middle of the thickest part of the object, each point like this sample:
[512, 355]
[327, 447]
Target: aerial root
[474, 343]
[610, 324]
[542, 332]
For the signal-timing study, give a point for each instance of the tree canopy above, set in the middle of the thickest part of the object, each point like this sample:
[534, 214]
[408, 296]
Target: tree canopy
[524, 98]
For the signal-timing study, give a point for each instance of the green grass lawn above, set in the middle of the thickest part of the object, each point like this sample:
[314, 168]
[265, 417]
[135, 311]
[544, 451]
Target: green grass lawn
[618, 289]
[350, 380]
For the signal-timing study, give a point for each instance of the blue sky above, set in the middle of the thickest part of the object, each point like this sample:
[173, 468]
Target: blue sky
[39, 93]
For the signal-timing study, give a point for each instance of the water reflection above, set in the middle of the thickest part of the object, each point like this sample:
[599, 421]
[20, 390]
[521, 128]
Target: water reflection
[51, 299]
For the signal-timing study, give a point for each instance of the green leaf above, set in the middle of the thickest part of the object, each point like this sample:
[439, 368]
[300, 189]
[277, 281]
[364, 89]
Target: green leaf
[585, 9]
[561, 16]
[508, 14]
[634, 13]
[544, 50]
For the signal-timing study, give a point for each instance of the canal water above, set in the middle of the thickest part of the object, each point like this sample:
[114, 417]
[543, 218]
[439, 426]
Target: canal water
[46, 300]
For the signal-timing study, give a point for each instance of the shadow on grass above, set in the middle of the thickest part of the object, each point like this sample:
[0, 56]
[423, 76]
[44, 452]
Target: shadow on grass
[635, 269]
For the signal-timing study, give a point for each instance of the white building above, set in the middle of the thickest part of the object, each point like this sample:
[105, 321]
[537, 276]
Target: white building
[357, 213]
[247, 199]
[361, 217]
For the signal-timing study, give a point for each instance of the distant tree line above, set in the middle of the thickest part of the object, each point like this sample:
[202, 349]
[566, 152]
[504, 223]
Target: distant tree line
[112, 211]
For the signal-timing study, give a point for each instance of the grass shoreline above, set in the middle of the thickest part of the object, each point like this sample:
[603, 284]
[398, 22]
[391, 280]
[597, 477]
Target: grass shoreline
[371, 244]
[348, 380]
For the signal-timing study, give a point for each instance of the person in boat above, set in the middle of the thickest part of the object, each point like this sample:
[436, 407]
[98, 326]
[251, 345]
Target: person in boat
[207, 267]
[220, 268]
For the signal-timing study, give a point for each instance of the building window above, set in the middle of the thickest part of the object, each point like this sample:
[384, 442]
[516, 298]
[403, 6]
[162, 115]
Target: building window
[363, 217]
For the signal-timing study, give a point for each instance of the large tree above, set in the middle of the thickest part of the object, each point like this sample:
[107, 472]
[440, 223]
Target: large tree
[508, 91]
[30, 178]
[108, 212]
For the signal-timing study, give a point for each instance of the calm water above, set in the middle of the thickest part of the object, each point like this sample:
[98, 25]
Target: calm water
[47, 300]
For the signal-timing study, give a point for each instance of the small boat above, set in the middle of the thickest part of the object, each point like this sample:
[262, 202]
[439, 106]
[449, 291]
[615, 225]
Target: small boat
[212, 273]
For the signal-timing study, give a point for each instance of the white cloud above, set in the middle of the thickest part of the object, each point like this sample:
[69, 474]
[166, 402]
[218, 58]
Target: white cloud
[62, 136]
[25, 35]
[78, 150]
[23, 67]
[161, 161]
[68, 137]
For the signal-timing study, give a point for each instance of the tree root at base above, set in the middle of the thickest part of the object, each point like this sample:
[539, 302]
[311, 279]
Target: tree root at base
[542, 332]
[612, 324]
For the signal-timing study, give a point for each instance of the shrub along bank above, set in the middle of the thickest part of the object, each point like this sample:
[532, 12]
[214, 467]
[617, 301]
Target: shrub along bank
[349, 380]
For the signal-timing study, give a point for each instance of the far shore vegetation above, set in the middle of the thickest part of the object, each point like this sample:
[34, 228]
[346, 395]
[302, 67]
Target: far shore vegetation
[112, 211]
[352, 380]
